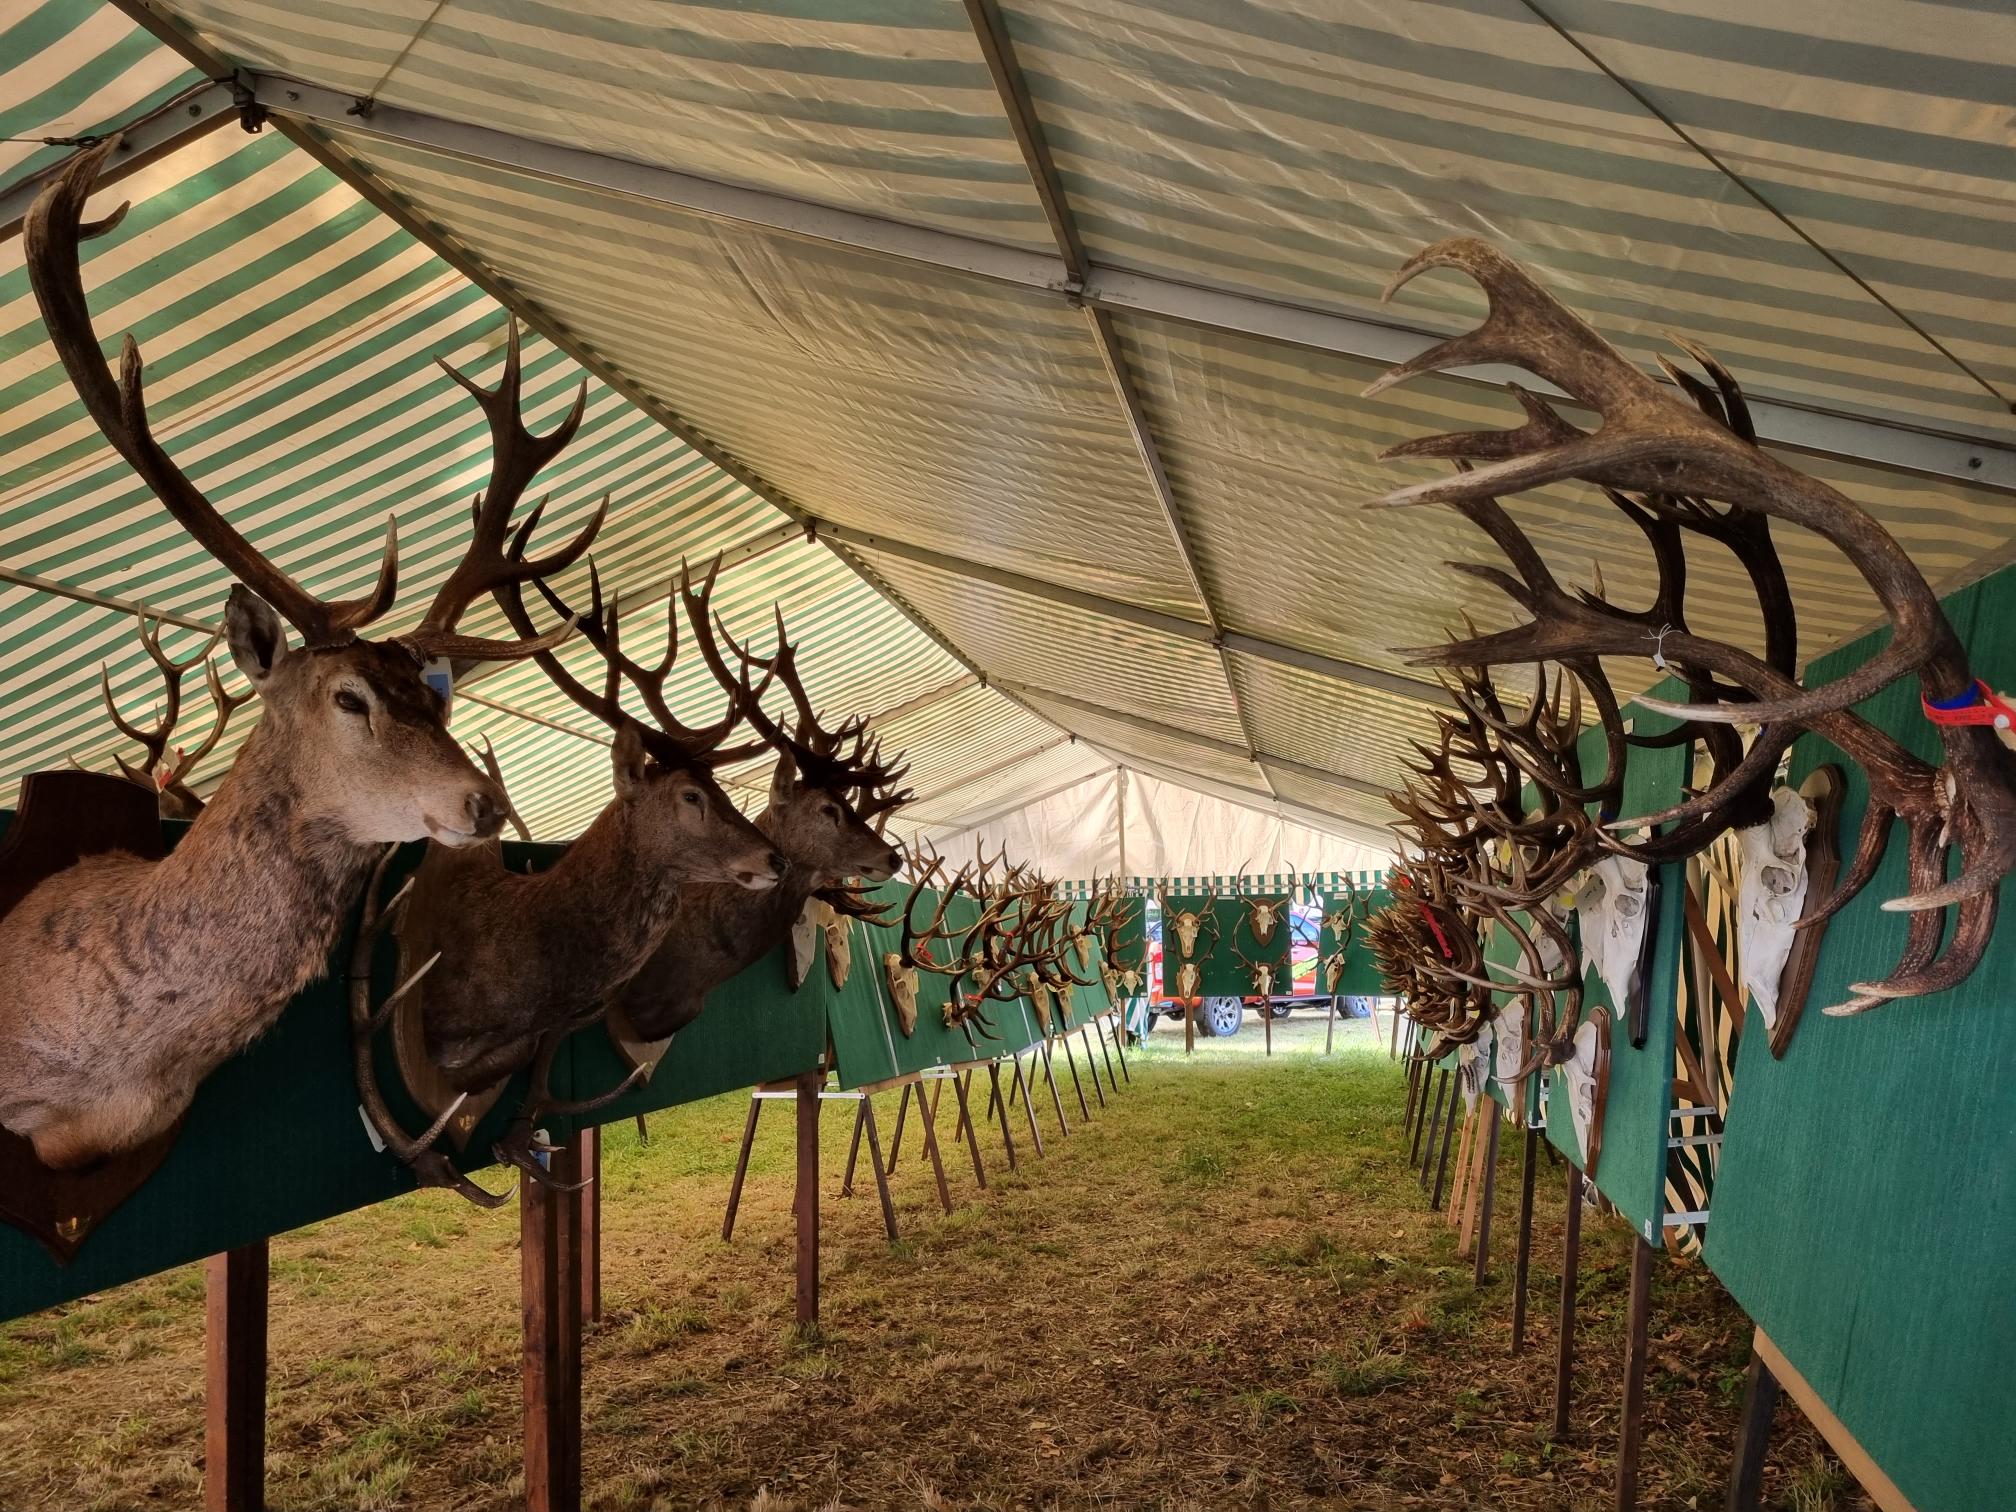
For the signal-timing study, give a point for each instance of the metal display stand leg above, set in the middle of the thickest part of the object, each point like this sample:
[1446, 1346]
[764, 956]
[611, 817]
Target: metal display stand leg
[1071, 1060]
[1091, 1065]
[1442, 1164]
[1056, 1098]
[1524, 1258]
[1434, 1124]
[1120, 1044]
[1571, 1259]
[234, 1380]
[1490, 1191]
[1105, 1054]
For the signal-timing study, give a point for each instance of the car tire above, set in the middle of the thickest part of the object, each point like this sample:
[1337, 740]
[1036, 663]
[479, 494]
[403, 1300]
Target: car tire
[1220, 1017]
[1278, 1010]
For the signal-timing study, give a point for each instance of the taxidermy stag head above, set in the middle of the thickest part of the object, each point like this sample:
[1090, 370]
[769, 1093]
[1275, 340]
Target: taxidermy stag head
[1665, 456]
[1260, 973]
[831, 797]
[523, 960]
[132, 980]
[175, 798]
[1189, 922]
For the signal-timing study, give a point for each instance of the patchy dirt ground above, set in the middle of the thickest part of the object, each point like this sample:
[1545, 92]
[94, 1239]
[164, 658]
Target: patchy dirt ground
[1225, 1291]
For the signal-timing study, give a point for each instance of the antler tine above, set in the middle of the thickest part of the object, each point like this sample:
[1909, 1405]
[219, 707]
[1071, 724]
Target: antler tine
[516, 457]
[223, 704]
[52, 234]
[488, 755]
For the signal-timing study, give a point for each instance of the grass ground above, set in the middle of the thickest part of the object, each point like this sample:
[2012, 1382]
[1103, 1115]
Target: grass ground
[1226, 1291]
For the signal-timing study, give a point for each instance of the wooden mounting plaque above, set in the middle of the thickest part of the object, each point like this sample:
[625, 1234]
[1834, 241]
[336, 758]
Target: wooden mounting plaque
[63, 817]
[638, 1053]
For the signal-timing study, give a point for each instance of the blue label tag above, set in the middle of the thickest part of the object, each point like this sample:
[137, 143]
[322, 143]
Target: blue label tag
[439, 675]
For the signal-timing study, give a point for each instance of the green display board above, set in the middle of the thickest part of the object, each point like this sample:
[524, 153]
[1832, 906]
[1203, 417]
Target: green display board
[1361, 969]
[274, 1139]
[1866, 1199]
[1631, 1164]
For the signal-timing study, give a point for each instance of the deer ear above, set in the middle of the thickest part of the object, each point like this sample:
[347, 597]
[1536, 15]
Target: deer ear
[783, 781]
[257, 638]
[630, 759]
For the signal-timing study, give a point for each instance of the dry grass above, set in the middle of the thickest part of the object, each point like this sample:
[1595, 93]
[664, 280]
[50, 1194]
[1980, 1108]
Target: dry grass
[1226, 1292]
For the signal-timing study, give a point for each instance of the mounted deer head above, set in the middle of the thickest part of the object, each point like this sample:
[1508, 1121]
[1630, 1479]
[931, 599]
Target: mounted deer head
[165, 969]
[1187, 977]
[1264, 915]
[1261, 974]
[177, 800]
[528, 960]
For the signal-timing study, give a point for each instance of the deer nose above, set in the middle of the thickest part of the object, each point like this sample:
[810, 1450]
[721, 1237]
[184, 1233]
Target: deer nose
[485, 808]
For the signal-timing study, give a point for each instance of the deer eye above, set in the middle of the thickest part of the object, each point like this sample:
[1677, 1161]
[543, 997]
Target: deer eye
[349, 702]
[690, 796]
[831, 811]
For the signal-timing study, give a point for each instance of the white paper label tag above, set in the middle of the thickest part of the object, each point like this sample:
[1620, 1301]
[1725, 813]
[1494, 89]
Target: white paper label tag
[369, 1132]
[439, 675]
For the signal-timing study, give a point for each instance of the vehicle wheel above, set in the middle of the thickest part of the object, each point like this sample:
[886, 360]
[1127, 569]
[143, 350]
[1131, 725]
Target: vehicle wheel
[1278, 1010]
[1220, 1016]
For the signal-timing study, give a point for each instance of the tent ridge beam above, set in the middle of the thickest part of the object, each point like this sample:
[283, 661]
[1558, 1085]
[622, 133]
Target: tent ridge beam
[1191, 737]
[1980, 461]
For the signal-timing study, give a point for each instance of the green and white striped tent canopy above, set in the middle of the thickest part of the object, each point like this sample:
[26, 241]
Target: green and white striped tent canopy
[1049, 320]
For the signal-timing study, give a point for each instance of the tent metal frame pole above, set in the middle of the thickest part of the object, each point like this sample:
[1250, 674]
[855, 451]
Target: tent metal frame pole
[1979, 461]
[1376, 678]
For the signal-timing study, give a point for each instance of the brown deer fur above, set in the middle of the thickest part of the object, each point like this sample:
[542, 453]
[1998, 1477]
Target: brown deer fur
[719, 931]
[131, 980]
[523, 955]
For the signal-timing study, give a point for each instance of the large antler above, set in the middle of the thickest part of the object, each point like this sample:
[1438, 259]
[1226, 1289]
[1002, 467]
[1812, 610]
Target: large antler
[1673, 454]
[516, 457]
[52, 234]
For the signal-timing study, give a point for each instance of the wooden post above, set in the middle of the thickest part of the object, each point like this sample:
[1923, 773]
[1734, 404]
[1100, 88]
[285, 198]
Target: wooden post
[1524, 1256]
[1330, 1024]
[1448, 1136]
[854, 1147]
[896, 1139]
[549, 1261]
[1393, 1048]
[1189, 1025]
[805, 1203]
[1071, 1060]
[972, 1135]
[1028, 1104]
[1431, 1124]
[1099, 1026]
[1120, 1043]
[589, 1199]
[1459, 1189]
[1267, 1022]
[234, 1380]
[996, 1100]
[741, 1167]
[1753, 1437]
[927, 1118]
[1631, 1430]
[1413, 1086]
[1490, 1191]
[875, 1164]
[1091, 1065]
[1056, 1098]
[1571, 1260]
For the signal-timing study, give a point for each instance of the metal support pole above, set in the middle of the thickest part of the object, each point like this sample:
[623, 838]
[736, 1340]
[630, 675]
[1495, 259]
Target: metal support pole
[1525, 1253]
[1571, 1260]
[1448, 1138]
[1106, 1054]
[1434, 1123]
[234, 1380]
[1490, 1190]
[1120, 1043]
[1091, 1065]
[1071, 1060]
[589, 1200]
[1056, 1098]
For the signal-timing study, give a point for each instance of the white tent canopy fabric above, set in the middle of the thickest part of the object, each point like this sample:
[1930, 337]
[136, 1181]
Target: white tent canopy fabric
[1018, 346]
[1120, 823]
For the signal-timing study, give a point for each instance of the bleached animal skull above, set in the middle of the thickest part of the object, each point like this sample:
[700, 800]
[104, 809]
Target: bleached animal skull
[1508, 1043]
[1473, 1065]
[1064, 1001]
[1130, 979]
[1083, 942]
[1039, 998]
[902, 991]
[1582, 1072]
[1610, 901]
[802, 944]
[1187, 925]
[1263, 978]
[1771, 895]
[1333, 970]
[1263, 917]
[1187, 976]
[839, 944]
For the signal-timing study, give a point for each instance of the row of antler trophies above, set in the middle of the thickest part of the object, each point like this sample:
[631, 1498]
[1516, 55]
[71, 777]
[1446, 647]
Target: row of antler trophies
[1503, 821]
[131, 979]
